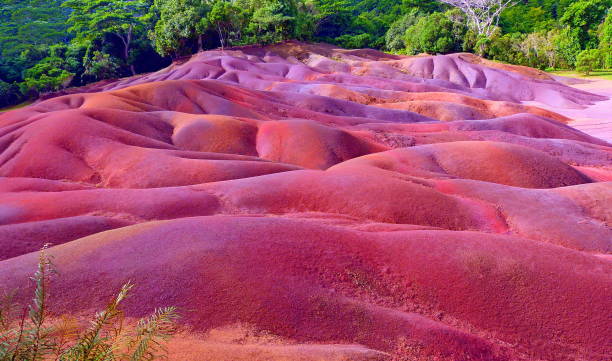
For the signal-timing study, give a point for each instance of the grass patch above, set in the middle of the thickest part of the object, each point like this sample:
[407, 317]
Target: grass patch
[595, 74]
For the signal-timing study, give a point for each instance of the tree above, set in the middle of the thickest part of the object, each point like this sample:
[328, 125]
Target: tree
[93, 19]
[583, 17]
[605, 41]
[332, 18]
[275, 20]
[180, 22]
[9, 94]
[525, 18]
[483, 15]
[539, 49]
[506, 48]
[434, 33]
[588, 60]
[224, 18]
[394, 39]
[47, 75]
[30, 23]
[101, 66]
[567, 46]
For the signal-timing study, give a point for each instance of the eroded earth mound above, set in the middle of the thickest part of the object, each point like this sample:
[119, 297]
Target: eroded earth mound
[335, 204]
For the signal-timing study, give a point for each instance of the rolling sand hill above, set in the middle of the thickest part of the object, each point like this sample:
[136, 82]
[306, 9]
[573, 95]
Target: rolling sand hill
[303, 202]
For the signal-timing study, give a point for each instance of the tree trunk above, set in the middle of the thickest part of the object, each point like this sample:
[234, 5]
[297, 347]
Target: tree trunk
[220, 37]
[200, 43]
[126, 48]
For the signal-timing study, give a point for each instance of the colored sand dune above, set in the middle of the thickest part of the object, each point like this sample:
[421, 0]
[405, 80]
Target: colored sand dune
[346, 204]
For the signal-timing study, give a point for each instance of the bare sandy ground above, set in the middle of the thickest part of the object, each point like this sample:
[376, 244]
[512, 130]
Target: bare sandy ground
[596, 119]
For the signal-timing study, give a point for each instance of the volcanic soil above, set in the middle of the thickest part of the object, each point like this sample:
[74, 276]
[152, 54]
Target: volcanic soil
[305, 202]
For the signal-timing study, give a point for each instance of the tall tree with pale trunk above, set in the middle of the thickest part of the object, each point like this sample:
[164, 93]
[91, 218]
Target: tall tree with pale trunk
[483, 15]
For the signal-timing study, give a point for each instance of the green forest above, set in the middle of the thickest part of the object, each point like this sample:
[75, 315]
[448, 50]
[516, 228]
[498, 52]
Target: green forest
[47, 45]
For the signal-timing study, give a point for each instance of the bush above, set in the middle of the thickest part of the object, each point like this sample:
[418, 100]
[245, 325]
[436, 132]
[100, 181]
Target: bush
[588, 60]
[435, 33]
[506, 48]
[34, 337]
[101, 66]
[45, 76]
[358, 41]
[9, 94]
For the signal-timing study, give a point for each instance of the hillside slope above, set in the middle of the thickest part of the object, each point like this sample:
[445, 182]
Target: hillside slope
[339, 204]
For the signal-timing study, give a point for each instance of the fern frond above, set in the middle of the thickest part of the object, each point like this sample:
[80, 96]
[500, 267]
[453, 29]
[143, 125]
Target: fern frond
[37, 340]
[7, 311]
[96, 344]
[146, 345]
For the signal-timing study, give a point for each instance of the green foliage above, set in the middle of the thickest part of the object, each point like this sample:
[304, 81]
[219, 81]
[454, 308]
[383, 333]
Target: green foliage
[567, 46]
[224, 18]
[358, 41]
[91, 20]
[277, 20]
[605, 41]
[101, 65]
[332, 18]
[525, 19]
[34, 337]
[584, 17]
[365, 23]
[30, 23]
[9, 94]
[506, 47]
[394, 39]
[47, 75]
[46, 45]
[150, 334]
[588, 60]
[435, 33]
[180, 22]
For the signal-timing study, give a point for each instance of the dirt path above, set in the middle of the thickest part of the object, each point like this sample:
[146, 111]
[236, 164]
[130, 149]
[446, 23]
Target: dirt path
[595, 120]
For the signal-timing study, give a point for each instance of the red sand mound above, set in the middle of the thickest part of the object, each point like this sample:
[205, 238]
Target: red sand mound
[507, 164]
[340, 204]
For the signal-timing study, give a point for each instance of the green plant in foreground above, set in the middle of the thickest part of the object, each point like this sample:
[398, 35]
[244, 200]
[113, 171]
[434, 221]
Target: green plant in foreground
[32, 336]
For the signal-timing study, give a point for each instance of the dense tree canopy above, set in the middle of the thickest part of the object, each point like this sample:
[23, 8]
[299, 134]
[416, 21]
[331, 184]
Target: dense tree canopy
[91, 20]
[46, 45]
[435, 33]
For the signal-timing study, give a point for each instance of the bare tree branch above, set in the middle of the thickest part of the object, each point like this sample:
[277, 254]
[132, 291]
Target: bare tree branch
[483, 15]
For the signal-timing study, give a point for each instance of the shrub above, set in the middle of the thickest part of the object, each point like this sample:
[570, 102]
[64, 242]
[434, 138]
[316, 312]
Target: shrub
[354, 41]
[588, 60]
[434, 33]
[45, 76]
[506, 48]
[34, 337]
[9, 94]
[101, 66]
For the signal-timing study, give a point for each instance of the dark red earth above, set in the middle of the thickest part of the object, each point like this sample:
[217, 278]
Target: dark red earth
[344, 204]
